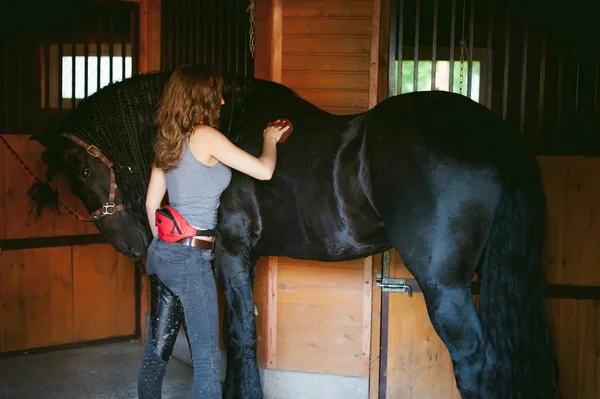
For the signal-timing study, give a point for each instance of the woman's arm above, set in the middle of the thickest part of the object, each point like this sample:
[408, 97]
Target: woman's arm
[156, 192]
[218, 146]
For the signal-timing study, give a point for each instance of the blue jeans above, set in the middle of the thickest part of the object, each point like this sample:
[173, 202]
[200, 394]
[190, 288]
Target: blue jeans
[187, 272]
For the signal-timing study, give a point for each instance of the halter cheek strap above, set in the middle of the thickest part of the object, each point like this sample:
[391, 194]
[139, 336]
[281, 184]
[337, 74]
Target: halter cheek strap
[109, 208]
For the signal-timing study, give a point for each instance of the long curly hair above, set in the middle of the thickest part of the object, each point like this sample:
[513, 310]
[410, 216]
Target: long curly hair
[191, 96]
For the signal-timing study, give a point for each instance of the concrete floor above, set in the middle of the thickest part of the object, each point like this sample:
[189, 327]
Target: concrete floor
[100, 372]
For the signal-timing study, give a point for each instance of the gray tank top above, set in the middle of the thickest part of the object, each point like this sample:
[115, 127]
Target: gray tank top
[195, 189]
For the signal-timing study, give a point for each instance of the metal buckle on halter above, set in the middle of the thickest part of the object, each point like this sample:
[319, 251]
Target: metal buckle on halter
[94, 151]
[108, 208]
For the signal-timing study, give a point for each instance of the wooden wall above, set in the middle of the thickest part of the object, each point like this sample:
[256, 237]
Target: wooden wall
[54, 294]
[321, 49]
[314, 316]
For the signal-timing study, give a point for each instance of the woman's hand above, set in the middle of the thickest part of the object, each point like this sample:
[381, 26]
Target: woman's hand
[274, 132]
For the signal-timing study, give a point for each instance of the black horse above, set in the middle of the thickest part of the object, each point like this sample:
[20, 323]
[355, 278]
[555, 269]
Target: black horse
[434, 175]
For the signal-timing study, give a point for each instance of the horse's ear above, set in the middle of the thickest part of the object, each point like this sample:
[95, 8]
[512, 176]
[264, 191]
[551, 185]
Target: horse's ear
[42, 138]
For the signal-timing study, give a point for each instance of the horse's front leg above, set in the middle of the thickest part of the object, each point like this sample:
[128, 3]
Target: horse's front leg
[235, 268]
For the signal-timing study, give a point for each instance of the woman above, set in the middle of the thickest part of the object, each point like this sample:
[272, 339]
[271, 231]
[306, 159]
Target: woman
[192, 163]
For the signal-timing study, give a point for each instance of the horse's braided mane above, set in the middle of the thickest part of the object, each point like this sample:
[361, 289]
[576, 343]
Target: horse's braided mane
[119, 119]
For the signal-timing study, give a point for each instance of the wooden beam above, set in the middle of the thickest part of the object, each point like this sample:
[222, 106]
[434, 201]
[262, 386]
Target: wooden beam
[375, 329]
[149, 60]
[270, 321]
[367, 315]
[149, 45]
[374, 63]
[276, 40]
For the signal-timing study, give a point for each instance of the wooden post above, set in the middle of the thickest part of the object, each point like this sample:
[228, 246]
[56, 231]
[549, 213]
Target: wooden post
[374, 64]
[149, 60]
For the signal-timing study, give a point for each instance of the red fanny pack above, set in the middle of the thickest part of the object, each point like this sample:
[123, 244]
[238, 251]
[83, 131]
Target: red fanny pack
[173, 227]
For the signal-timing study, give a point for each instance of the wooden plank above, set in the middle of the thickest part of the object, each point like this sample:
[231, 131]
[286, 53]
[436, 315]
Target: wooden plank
[12, 311]
[103, 271]
[319, 314]
[326, 62]
[374, 67]
[375, 331]
[65, 224]
[276, 40]
[262, 42]
[4, 161]
[319, 26]
[324, 334]
[126, 272]
[589, 271]
[290, 292]
[270, 320]
[350, 264]
[366, 315]
[589, 349]
[341, 359]
[337, 98]
[84, 293]
[327, 44]
[329, 9]
[44, 226]
[419, 365]
[61, 295]
[17, 182]
[327, 276]
[326, 80]
[36, 295]
[554, 173]
[149, 37]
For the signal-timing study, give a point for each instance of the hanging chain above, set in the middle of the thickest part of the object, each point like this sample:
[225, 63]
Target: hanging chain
[251, 32]
[463, 50]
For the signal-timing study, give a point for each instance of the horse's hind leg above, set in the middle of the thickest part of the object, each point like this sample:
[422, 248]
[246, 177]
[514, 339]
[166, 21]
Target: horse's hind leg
[442, 256]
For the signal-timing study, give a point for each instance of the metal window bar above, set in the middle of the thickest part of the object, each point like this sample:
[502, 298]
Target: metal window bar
[400, 46]
[6, 74]
[489, 60]
[506, 65]
[452, 39]
[470, 59]
[434, 44]
[542, 91]
[559, 97]
[19, 93]
[73, 73]
[524, 78]
[46, 75]
[416, 50]
[111, 49]
[60, 76]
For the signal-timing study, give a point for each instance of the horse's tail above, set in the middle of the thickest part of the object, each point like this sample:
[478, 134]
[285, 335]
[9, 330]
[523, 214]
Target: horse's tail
[512, 305]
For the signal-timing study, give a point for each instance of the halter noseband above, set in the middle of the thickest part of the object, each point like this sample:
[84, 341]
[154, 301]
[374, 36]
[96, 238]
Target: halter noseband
[110, 208]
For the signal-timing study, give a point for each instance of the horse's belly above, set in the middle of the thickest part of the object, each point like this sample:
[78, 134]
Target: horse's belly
[326, 230]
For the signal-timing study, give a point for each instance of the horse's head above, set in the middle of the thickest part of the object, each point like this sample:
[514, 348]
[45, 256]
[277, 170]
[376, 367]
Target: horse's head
[104, 149]
[91, 177]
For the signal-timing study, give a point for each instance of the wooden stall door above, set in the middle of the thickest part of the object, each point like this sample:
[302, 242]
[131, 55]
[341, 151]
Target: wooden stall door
[418, 364]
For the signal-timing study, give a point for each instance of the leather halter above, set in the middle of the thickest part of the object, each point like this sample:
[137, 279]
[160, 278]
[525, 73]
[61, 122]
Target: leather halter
[110, 208]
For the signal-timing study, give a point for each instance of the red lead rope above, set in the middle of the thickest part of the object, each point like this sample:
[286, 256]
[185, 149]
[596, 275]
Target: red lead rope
[35, 179]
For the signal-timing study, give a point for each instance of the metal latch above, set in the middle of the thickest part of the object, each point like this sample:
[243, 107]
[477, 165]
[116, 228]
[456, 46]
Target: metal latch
[393, 285]
[387, 283]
